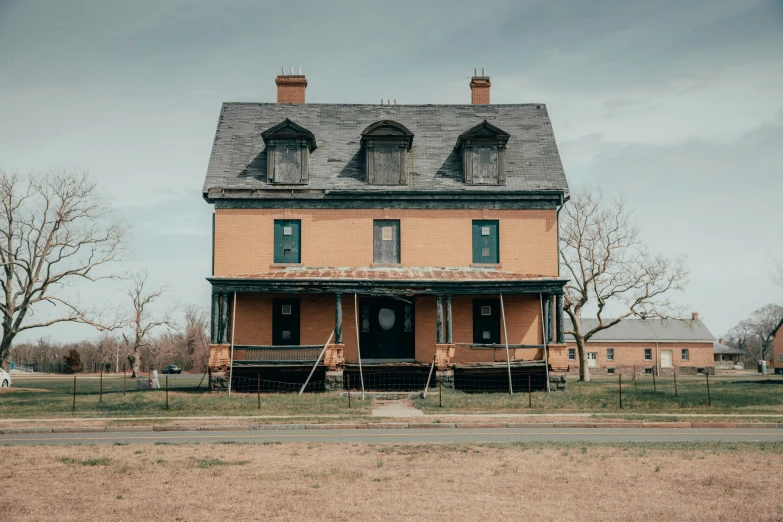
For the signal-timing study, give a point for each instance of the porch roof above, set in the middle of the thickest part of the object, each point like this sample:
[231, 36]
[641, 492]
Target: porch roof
[390, 279]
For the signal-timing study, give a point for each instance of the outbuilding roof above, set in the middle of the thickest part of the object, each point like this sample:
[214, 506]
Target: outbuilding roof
[647, 330]
[238, 159]
[723, 349]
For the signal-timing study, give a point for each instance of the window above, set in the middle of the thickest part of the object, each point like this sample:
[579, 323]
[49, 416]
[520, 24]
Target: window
[486, 244]
[610, 354]
[648, 371]
[648, 354]
[700, 370]
[287, 241]
[486, 321]
[386, 144]
[288, 148]
[572, 354]
[780, 357]
[610, 371]
[685, 354]
[483, 154]
[386, 241]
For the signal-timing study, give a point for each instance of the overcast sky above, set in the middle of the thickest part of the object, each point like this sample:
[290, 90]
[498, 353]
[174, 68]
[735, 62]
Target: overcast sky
[677, 105]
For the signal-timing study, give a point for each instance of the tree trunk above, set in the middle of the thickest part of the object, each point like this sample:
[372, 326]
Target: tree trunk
[5, 350]
[584, 371]
[133, 360]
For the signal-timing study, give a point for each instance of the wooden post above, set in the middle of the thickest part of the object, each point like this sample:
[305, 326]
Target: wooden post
[441, 391]
[634, 376]
[709, 397]
[231, 349]
[73, 408]
[439, 319]
[427, 386]
[317, 361]
[100, 390]
[348, 384]
[258, 386]
[149, 379]
[654, 386]
[620, 388]
[505, 338]
[124, 381]
[338, 318]
[559, 299]
[674, 373]
[167, 391]
[358, 346]
[449, 336]
[529, 393]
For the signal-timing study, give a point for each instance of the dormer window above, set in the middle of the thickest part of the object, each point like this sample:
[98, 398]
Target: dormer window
[386, 144]
[288, 148]
[483, 150]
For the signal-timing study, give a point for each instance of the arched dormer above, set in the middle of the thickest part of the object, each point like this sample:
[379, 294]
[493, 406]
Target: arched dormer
[483, 150]
[386, 144]
[288, 148]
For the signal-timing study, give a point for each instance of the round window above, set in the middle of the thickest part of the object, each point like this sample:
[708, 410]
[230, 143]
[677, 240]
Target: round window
[386, 318]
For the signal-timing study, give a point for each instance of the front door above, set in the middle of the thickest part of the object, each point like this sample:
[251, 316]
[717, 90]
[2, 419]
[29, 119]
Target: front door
[592, 359]
[285, 322]
[666, 359]
[386, 328]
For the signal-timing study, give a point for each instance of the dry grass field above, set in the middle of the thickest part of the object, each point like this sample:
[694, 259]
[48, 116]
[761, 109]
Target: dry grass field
[393, 482]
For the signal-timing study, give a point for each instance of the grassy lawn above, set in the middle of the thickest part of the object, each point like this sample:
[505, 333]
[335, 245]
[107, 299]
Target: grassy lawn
[748, 396]
[307, 481]
[53, 397]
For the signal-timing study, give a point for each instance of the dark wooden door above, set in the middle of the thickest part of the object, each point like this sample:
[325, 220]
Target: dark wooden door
[486, 321]
[387, 329]
[285, 322]
[386, 241]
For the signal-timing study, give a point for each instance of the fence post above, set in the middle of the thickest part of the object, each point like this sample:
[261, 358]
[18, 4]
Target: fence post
[149, 380]
[634, 376]
[655, 388]
[100, 392]
[348, 383]
[529, 393]
[620, 387]
[73, 408]
[167, 391]
[674, 373]
[441, 392]
[258, 381]
[124, 380]
[709, 397]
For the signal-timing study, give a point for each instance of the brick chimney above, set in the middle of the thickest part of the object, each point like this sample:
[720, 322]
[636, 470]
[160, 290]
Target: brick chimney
[291, 87]
[479, 88]
[695, 316]
[720, 341]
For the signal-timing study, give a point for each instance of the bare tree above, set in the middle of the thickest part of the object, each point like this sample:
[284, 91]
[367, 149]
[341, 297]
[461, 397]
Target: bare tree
[741, 335]
[144, 318]
[763, 323]
[54, 230]
[608, 264]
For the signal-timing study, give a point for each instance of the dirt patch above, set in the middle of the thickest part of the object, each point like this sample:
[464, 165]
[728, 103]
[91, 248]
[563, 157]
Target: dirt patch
[393, 482]
[11, 390]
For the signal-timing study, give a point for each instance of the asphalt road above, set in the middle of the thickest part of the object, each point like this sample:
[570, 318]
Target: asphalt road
[406, 436]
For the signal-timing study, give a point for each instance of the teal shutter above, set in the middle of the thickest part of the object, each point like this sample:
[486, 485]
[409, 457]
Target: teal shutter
[287, 241]
[486, 243]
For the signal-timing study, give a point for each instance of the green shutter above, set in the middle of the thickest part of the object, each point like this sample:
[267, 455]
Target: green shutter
[287, 241]
[486, 244]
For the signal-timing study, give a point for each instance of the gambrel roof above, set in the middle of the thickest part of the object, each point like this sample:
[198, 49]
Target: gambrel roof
[238, 159]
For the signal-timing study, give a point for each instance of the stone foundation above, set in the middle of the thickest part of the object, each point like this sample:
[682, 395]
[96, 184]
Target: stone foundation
[333, 380]
[446, 377]
[218, 381]
[557, 383]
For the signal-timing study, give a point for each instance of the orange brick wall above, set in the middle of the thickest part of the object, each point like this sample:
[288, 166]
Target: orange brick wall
[777, 349]
[344, 238]
[254, 324]
[632, 354]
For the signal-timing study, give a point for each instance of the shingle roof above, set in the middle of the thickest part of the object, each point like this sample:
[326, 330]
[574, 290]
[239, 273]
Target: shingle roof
[390, 274]
[238, 159]
[648, 330]
[726, 350]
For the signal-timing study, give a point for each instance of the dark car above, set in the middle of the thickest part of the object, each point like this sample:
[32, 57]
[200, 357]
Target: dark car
[172, 368]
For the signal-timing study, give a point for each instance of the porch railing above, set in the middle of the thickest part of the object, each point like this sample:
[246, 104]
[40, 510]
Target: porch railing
[276, 354]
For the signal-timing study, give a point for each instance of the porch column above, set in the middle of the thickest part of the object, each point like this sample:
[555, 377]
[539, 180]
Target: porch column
[550, 330]
[448, 319]
[338, 318]
[439, 320]
[559, 298]
[224, 319]
[215, 318]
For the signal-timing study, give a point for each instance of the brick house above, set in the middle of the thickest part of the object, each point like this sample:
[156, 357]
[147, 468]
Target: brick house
[727, 357]
[647, 346]
[777, 349]
[400, 234]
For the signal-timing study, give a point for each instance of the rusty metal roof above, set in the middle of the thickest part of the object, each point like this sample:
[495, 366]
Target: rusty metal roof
[465, 274]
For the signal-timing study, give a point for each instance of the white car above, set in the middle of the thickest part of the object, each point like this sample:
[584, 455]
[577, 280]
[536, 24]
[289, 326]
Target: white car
[5, 379]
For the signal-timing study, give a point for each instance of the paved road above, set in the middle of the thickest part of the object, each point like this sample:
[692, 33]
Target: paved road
[405, 436]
